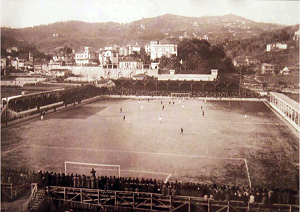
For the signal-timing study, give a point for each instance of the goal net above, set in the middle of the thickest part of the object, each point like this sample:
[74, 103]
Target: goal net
[180, 95]
[86, 168]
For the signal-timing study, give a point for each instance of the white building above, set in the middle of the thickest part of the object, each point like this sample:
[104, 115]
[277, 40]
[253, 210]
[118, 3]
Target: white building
[189, 77]
[162, 49]
[148, 49]
[131, 49]
[285, 71]
[267, 68]
[109, 57]
[112, 48]
[130, 63]
[88, 57]
[123, 51]
[276, 46]
[296, 36]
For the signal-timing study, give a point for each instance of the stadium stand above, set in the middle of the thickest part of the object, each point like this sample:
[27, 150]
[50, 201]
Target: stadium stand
[214, 94]
[266, 196]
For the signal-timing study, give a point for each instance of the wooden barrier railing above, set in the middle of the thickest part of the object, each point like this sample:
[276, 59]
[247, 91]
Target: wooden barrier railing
[11, 191]
[141, 201]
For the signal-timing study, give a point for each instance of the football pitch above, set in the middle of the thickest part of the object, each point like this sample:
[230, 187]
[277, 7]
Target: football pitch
[234, 143]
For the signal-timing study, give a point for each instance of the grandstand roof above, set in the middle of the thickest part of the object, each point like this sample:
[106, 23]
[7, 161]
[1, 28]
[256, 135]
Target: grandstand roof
[187, 77]
[130, 59]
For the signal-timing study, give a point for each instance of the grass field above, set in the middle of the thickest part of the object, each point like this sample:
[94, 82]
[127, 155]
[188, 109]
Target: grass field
[222, 147]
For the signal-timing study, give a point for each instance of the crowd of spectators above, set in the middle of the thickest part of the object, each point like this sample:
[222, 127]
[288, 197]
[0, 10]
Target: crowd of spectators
[77, 94]
[194, 94]
[265, 196]
[68, 96]
[14, 176]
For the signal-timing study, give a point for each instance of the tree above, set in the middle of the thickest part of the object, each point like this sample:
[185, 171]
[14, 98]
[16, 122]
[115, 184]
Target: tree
[143, 55]
[200, 57]
[166, 64]
[4, 53]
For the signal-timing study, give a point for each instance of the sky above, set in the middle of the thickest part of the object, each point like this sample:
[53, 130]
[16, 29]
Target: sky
[28, 13]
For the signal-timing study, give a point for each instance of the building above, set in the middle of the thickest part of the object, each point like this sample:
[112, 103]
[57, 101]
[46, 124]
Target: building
[276, 46]
[252, 61]
[296, 36]
[163, 48]
[131, 49]
[130, 63]
[111, 48]
[9, 50]
[60, 72]
[267, 68]
[239, 63]
[88, 57]
[3, 63]
[123, 51]
[109, 57]
[189, 77]
[148, 49]
[285, 71]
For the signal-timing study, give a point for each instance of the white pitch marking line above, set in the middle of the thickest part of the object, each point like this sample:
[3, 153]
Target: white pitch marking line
[147, 172]
[133, 152]
[248, 172]
[8, 151]
[168, 178]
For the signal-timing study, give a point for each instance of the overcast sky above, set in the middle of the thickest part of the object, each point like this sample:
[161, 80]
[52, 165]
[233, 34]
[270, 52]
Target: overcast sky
[27, 13]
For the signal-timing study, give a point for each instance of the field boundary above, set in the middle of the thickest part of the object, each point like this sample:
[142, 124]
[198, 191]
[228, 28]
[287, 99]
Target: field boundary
[196, 98]
[37, 116]
[138, 152]
[292, 128]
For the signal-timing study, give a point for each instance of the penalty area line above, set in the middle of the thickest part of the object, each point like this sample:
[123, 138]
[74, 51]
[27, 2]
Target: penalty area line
[8, 151]
[131, 152]
[149, 172]
[247, 169]
[135, 152]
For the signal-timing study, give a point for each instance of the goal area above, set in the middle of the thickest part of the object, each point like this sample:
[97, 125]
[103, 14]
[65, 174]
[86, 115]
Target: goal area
[86, 168]
[180, 95]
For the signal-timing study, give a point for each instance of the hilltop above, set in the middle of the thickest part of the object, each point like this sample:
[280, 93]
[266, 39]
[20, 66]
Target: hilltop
[78, 34]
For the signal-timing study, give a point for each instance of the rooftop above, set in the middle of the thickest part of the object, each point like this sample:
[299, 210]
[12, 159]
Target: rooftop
[130, 59]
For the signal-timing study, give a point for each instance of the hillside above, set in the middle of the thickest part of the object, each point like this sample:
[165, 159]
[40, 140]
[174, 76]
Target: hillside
[77, 34]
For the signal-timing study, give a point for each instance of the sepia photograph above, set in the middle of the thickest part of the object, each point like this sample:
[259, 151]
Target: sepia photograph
[150, 105]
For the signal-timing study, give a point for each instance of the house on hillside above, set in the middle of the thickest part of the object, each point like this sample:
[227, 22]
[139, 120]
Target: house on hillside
[239, 63]
[252, 61]
[60, 72]
[109, 57]
[123, 51]
[294, 70]
[267, 69]
[13, 62]
[3, 63]
[285, 71]
[276, 46]
[88, 57]
[296, 35]
[111, 48]
[131, 49]
[10, 49]
[162, 48]
[130, 63]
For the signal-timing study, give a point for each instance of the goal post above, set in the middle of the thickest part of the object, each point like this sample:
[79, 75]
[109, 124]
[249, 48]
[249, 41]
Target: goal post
[89, 166]
[180, 95]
